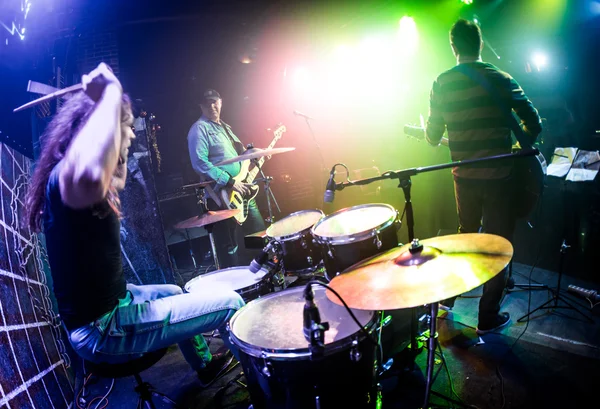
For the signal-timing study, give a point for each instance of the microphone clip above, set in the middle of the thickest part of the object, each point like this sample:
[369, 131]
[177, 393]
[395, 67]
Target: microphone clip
[317, 339]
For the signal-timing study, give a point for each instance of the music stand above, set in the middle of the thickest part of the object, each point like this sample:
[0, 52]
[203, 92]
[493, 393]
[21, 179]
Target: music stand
[581, 161]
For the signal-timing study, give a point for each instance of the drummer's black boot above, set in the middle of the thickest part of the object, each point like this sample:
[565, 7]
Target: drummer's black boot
[217, 367]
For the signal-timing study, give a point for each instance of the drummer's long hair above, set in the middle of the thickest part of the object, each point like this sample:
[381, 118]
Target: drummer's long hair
[56, 139]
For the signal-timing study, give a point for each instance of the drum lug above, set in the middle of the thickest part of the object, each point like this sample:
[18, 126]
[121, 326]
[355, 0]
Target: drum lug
[309, 260]
[377, 240]
[303, 244]
[265, 369]
[355, 354]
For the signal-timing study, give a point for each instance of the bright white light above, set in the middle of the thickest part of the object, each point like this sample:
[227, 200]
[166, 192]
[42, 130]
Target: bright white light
[408, 37]
[539, 60]
[301, 77]
[23, 30]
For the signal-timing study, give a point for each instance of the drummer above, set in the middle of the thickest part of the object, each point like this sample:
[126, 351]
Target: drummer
[74, 197]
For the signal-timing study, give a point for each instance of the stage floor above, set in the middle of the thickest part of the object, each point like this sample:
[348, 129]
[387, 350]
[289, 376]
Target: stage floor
[552, 365]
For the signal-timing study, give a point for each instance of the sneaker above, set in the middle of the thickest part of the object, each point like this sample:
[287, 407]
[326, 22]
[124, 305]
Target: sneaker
[501, 321]
[217, 366]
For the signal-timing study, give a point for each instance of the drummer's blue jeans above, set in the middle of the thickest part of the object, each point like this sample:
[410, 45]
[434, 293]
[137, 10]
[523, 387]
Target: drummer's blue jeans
[153, 317]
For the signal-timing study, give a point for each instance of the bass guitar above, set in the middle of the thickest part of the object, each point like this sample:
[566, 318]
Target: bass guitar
[228, 198]
[529, 174]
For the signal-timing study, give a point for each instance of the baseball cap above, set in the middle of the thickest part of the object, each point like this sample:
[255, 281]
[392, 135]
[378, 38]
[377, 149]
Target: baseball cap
[211, 94]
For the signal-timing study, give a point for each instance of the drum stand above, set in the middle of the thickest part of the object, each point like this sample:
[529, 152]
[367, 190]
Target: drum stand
[267, 181]
[405, 183]
[201, 195]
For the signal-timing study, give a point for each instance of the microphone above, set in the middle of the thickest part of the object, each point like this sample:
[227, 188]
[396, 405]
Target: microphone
[591, 295]
[311, 312]
[330, 187]
[258, 261]
[298, 113]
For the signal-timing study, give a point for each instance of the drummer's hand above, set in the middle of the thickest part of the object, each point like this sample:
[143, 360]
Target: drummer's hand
[98, 80]
[242, 188]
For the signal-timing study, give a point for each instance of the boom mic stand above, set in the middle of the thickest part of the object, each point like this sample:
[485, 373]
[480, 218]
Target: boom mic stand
[404, 179]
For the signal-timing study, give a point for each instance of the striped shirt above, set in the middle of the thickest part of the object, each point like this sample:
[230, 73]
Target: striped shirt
[477, 126]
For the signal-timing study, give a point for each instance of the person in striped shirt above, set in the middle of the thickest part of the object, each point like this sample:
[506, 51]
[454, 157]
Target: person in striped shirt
[473, 101]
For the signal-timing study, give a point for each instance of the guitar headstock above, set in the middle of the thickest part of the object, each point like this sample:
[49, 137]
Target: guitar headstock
[278, 132]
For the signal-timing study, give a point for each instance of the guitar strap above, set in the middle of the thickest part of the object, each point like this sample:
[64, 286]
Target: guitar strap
[237, 145]
[480, 79]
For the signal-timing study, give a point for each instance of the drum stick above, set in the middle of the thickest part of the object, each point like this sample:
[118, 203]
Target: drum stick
[57, 94]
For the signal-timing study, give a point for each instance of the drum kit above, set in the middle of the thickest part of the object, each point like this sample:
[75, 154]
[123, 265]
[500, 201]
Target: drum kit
[318, 345]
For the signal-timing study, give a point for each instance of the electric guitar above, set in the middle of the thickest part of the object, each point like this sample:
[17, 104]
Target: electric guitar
[228, 198]
[530, 174]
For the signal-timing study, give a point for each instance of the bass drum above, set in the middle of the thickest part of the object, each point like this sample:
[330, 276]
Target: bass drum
[277, 361]
[354, 234]
[299, 254]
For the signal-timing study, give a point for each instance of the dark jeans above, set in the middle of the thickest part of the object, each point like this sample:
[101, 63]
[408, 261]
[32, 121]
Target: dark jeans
[484, 206]
[229, 237]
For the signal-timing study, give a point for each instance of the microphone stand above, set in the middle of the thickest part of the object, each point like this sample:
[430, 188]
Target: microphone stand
[404, 182]
[323, 167]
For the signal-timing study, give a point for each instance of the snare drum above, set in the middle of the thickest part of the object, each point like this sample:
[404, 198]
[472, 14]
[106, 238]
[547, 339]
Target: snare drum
[354, 234]
[300, 255]
[240, 279]
[277, 361]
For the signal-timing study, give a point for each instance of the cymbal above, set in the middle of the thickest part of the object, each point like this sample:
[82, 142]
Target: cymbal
[207, 218]
[447, 266]
[199, 184]
[254, 153]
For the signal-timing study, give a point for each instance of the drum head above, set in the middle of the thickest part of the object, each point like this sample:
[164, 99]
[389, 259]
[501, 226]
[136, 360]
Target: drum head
[294, 223]
[275, 322]
[233, 278]
[354, 220]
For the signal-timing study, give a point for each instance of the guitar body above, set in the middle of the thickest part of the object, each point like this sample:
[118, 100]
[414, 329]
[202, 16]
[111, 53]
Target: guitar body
[230, 199]
[530, 176]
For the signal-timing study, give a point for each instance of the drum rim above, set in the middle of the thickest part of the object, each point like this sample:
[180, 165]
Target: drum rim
[300, 233]
[248, 287]
[356, 236]
[296, 353]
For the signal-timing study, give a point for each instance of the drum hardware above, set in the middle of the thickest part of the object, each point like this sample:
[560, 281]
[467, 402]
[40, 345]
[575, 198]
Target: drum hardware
[353, 234]
[405, 182]
[207, 219]
[314, 329]
[296, 249]
[254, 153]
[269, 193]
[424, 273]
[277, 360]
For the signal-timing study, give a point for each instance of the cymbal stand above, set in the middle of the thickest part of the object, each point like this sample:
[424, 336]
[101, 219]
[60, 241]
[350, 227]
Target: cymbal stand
[201, 196]
[405, 183]
[270, 196]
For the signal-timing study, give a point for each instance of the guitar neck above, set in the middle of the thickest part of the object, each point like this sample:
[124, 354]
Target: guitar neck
[252, 174]
[418, 132]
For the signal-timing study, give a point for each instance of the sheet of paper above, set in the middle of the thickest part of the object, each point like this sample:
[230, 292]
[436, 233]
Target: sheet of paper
[585, 166]
[562, 160]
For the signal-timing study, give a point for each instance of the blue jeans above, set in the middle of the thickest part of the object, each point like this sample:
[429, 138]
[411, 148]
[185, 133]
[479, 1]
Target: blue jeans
[153, 317]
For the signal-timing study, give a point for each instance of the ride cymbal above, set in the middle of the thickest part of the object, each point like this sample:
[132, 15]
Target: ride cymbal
[207, 218]
[406, 277]
[254, 153]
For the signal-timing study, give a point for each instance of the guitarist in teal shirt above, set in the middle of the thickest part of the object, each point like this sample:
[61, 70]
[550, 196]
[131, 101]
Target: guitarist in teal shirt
[210, 140]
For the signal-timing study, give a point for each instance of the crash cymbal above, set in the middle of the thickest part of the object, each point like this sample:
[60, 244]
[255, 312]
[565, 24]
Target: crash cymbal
[207, 218]
[254, 153]
[199, 184]
[446, 266]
